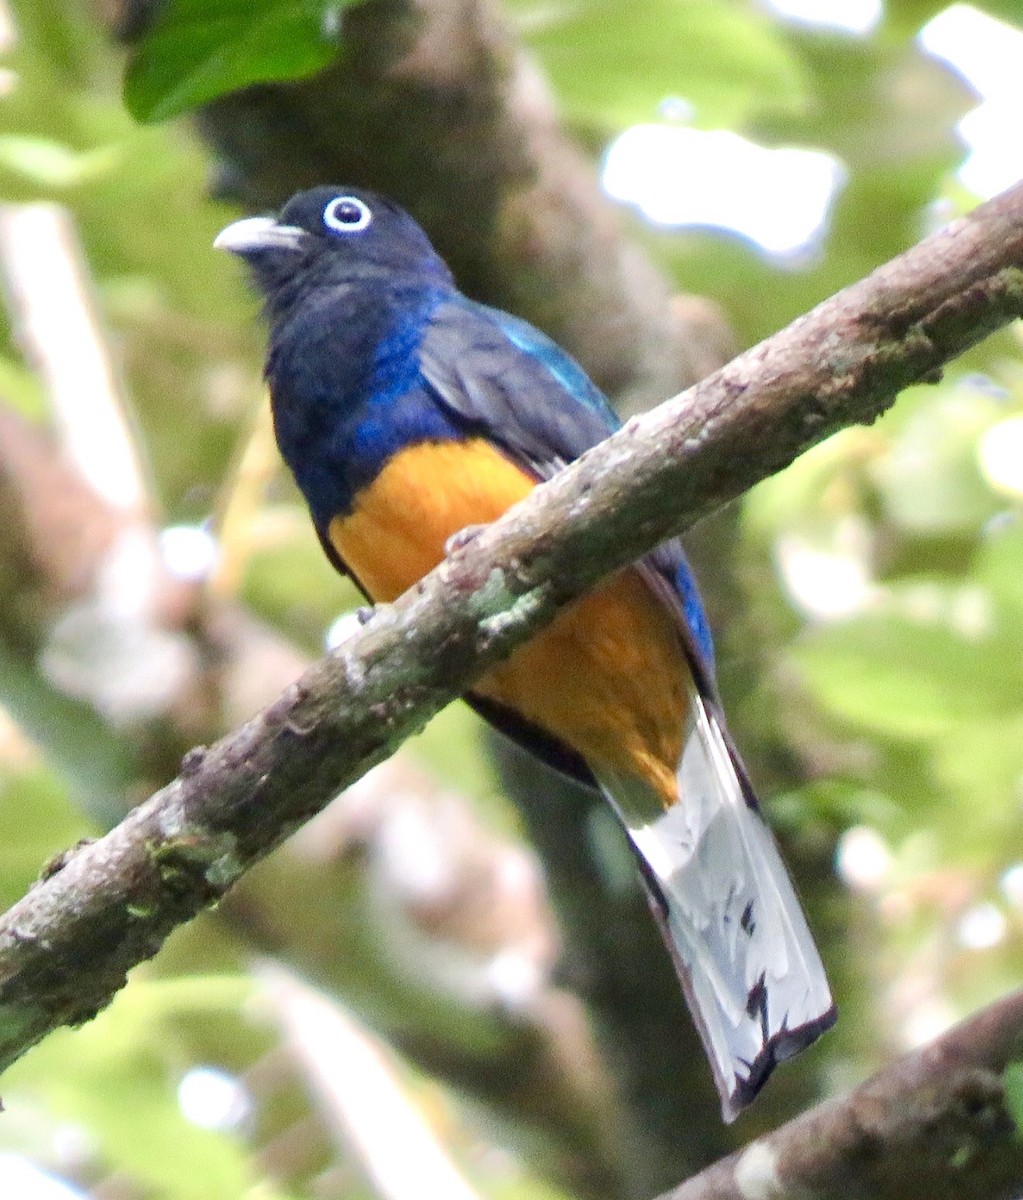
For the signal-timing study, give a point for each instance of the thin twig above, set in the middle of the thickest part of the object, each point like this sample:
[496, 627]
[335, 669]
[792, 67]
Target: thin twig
[57, 322]
[359, 1095]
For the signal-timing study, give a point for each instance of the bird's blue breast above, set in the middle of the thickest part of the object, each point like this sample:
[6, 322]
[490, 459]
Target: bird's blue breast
[350, 393]
[347, 395]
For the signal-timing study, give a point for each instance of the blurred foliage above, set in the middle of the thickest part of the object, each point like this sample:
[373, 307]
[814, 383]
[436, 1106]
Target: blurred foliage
[125, 1060]
[903, 547]
[1014, 1092]
[616, 64]
[882, 574]
[197, 50]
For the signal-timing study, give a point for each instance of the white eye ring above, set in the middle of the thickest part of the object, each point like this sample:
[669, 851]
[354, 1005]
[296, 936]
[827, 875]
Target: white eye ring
[333, 220]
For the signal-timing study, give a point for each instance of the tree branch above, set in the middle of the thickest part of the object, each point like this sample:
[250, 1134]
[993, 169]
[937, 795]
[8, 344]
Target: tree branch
[934, 1125]
[65, 948]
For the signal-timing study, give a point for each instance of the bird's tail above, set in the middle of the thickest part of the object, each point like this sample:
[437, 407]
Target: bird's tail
[728, 911]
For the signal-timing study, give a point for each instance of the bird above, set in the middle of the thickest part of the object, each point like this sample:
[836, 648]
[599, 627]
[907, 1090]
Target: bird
[411, 415]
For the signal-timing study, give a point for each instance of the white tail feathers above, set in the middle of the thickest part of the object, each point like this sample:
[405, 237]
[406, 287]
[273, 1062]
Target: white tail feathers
[747, 960]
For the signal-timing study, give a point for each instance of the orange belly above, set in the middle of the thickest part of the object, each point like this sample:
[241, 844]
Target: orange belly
[608, 677]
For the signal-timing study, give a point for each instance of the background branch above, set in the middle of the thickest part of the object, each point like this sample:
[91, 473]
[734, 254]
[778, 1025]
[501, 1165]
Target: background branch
[356, 1086]
[935, 1125]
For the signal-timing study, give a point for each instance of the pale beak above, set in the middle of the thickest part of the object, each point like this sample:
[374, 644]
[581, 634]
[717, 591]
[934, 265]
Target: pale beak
[253, 234]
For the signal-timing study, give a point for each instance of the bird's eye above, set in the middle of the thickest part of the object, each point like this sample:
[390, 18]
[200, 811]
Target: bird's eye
[347, 214]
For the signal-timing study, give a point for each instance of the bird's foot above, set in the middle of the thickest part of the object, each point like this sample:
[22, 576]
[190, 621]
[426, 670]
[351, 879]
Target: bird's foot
[462, 538]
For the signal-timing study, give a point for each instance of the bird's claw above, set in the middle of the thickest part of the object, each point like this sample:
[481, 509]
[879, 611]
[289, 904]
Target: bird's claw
[364, 613]
[462, 538]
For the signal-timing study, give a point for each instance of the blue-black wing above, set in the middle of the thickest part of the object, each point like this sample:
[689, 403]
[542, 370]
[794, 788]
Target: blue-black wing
[520, 390]
[512, 383]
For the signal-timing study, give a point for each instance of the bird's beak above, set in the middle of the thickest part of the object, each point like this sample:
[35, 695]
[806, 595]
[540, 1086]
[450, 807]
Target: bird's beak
[253, 234]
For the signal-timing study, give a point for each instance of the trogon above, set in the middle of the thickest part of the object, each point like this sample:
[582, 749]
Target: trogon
[409, 413]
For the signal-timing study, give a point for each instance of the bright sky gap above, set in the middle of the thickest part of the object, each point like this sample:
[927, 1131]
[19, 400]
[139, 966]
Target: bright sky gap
[780, 199]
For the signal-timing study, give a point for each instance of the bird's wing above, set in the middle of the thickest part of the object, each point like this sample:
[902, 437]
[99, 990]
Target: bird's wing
[521, 391]
[496, 372]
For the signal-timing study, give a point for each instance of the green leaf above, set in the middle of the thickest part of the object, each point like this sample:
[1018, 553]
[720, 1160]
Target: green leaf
[22, 390]
[76, 743]
[980, 765]
[904, 19]
[117, 1078]
[201, 49]
[616, 63]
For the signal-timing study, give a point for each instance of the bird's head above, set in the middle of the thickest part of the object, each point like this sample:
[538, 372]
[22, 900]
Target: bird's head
[329, 236]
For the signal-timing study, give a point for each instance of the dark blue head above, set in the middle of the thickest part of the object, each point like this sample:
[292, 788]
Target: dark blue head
[349, 281]
[332, 236]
